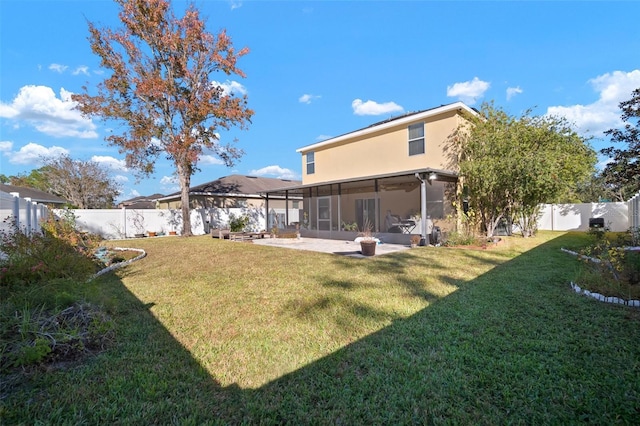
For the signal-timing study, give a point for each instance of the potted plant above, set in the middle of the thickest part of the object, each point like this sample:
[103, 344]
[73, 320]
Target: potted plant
[367, 239]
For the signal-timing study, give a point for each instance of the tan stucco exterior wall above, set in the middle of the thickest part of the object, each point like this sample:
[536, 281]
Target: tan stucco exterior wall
[383, 152]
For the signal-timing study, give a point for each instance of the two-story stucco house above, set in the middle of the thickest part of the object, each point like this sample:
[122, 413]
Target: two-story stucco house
[393, 174]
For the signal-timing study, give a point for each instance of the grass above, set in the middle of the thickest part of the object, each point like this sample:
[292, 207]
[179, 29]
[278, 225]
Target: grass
[214, 332]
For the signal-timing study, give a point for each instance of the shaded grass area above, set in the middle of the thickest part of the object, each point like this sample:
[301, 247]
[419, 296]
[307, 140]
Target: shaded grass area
[217, 332]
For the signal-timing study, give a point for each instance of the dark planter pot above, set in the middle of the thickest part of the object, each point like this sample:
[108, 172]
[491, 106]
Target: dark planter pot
[368, 248]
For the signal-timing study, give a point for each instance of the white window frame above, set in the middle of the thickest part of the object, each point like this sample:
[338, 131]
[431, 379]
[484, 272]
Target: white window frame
[311, 165]
[416, 140]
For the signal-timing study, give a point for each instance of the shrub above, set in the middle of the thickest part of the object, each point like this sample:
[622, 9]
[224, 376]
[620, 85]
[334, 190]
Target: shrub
[43, 315]
[611, 268]
[455, 238]
[58, 252]
[237, 224]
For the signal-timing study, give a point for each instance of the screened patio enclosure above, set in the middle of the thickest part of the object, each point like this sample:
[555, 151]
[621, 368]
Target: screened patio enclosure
[391, 204]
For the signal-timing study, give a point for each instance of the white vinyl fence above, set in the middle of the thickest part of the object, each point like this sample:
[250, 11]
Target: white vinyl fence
[575, 217]
[22, 212]
[634, 212]
[131, 223]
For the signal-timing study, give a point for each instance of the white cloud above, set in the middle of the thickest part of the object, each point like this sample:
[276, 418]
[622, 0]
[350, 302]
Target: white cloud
[32, 153]
[231, 88]
[5, 146]
[39, 107]
[110, 162]
[374, 108]
[82, 69]
[468, 91]
[604, 113]
[603, 163]
[169, 183]
[58, 68]
[512, 91]
[210, 160]
[235, 4]
[275, 171]
[121, 179]
[307, 98]
[323, 137]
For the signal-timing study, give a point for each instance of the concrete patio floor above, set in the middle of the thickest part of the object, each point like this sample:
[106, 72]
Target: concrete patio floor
[340, 247]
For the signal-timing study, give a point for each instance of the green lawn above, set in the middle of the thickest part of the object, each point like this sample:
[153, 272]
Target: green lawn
[214, 332]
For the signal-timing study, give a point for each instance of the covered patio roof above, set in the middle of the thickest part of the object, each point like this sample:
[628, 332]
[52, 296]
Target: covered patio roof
[390, 178]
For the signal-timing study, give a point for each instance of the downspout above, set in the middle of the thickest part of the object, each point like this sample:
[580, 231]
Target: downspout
[286, 208]
[266, 207]
[423, 210]
[339, 207]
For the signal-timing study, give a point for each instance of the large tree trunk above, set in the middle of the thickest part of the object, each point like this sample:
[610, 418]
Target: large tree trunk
[184, 177]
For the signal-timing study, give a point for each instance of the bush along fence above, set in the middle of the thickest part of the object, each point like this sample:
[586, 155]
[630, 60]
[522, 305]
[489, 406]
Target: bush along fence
[22, 213]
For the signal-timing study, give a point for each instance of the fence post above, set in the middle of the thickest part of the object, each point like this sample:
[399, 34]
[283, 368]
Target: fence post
[28, 206]
[16, 208]
[124, 221]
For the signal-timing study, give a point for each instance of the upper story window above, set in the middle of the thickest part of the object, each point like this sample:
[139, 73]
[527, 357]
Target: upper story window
[416, 139]
[311, 163]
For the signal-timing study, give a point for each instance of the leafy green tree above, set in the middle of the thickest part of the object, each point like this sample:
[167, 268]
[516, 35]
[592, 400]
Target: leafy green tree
[161, 88]
[4, 178]
[510, 165]
[36, 179]
[622, 174]
[594, 190]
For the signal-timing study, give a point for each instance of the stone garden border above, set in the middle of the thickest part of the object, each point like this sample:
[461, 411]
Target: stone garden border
[120, 264]
[606, 299]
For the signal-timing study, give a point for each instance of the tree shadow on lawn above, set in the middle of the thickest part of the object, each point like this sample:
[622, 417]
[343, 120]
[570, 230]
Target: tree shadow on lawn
[146, 377]
[515, 344]
[512, 345]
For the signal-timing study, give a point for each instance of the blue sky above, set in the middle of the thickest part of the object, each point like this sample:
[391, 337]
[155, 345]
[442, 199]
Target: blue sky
[321, 69]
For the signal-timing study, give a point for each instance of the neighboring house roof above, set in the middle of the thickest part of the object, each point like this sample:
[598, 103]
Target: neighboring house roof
[35, 195]
[392, 122]
[236, 186]
[141, 202]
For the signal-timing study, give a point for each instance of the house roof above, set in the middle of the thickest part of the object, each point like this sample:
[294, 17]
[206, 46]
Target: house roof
[237, 186]
[393, 122]
[141, 202]
[35, 195]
